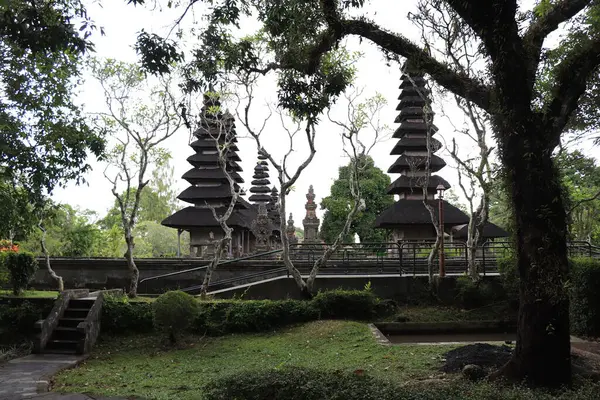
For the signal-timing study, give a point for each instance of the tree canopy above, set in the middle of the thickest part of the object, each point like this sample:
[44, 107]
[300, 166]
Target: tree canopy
[373, 184]
[44, 139]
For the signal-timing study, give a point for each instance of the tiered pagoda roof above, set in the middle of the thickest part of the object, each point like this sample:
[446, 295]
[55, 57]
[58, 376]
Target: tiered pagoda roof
[416, 124]
[209, 184]
[260, 184]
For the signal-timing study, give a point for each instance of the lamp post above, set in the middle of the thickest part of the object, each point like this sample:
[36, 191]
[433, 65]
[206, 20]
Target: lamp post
[440, 189]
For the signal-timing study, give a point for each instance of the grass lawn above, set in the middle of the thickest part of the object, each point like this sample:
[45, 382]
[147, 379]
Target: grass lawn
[140, 366]
[439, 313]
[31, 293]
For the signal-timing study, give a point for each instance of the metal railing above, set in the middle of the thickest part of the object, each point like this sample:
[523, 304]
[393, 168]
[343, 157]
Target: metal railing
[401, 258]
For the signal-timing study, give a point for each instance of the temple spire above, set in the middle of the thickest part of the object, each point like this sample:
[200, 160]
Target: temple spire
[311, 222]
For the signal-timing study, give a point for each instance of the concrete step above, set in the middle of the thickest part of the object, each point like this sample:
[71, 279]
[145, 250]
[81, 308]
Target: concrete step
[66, 333]
[70, 322]
[61, 345]
[76, 313]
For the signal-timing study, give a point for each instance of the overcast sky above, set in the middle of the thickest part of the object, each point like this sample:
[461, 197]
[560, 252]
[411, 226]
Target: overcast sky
[121, 23]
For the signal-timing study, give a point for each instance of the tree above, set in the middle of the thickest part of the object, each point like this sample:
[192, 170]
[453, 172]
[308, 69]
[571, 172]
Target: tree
[528, 111]
[139, 118]
[374, 183]
[44, 139]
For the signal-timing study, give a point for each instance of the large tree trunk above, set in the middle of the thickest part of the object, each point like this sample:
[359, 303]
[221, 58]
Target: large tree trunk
[542, 353]
[134, 273]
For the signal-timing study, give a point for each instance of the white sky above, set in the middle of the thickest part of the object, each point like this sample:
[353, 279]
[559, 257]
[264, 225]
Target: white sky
[121, 23]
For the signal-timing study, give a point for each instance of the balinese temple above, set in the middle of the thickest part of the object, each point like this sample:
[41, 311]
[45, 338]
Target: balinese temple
[408, 218]
[209, 187]
[311, 222]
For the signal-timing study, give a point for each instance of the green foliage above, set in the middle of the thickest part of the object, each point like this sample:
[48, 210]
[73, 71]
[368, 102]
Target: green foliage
[70, 232]
[348, 304]
[581, 178]
[243, 316]
[17, 322]
[584, 280]
[374, 183]
[174, 312]
[17, 217]
[21, 268]
[585, 297]
[221, 317]
[299, 384]
[470, 294]
[45, 139]
[311, 383]
[120, 316]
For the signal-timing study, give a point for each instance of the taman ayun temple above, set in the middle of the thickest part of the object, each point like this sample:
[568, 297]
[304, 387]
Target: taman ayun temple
[255, 222]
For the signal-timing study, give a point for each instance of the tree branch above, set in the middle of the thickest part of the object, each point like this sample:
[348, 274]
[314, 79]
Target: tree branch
[572, 75]
[456, 82]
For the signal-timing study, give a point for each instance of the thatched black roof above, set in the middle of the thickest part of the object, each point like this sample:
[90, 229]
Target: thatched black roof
[490, 230]
[195, 194]
[195, 217]
[408, 127]
[413, 144]
[404, 184]
[414, 212]
[407, 163]
[196, 175]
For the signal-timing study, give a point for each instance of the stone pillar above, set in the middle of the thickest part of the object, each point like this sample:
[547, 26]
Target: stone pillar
[311, 222]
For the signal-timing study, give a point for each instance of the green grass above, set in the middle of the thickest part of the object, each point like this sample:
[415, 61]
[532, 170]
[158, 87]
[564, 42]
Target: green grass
[30, 293]
[139, 365]
[439, 313]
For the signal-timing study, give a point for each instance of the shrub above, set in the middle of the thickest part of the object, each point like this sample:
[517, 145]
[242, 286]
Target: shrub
[509, 276]
[18, 322]
[119, 316]
[298, 384]
[470, 294]
[174, 312]
[4, 275]
[585, 297]
[21, 268]
[347, 304]
[229, 316]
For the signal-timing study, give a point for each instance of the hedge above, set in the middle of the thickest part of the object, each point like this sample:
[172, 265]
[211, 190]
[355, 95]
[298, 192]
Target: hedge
[585, 297]
[584, 293]
[291, 383]
[17, 322]
[221, 317]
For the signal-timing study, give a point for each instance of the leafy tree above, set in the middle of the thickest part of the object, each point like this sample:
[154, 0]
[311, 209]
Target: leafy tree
[44, 139]
[530, 92]
[581, 177]
[139, 118]
[374, 183]
[69, 233]
[17, 213]
[157, 201]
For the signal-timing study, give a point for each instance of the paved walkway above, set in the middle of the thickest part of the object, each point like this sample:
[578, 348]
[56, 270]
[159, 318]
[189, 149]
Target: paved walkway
[28, 377]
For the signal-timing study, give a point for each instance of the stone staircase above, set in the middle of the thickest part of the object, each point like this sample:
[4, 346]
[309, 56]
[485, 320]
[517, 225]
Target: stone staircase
[73, 325]
[65, 336]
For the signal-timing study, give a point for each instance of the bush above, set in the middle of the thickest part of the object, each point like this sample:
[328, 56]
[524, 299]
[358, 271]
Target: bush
[298, 384]
[585, 297]
[509, 276]
[18, 322]
[174, 312]
[470, 294]
[21, 267]
[311, 384]
[230, 316]
[119, 316]
[348, 304]
[4, 275]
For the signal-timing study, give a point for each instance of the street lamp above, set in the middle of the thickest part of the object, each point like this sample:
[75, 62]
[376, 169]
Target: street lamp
[440, 189]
